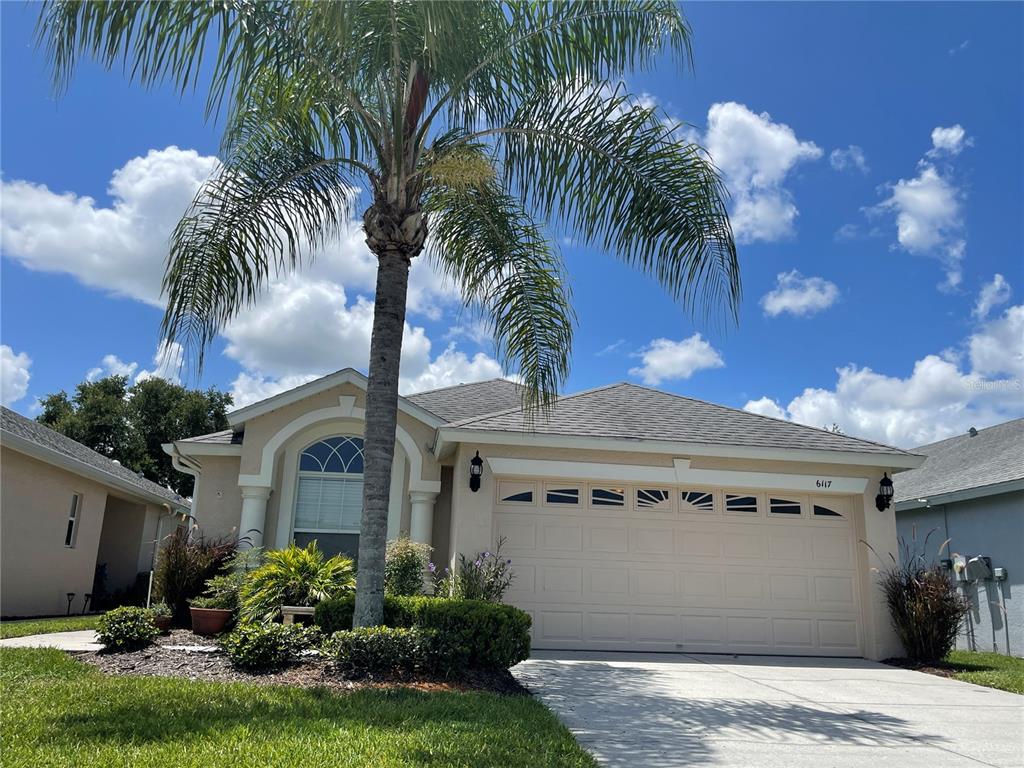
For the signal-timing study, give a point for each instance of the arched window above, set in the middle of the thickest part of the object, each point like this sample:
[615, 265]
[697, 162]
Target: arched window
[329, 498]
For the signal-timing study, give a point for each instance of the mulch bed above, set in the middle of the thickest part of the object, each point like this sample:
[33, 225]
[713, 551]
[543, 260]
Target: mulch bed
[159, 660]
[942, 670]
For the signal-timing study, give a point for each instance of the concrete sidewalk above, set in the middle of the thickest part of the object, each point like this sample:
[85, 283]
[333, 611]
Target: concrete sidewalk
[665, 710]
[80, 640]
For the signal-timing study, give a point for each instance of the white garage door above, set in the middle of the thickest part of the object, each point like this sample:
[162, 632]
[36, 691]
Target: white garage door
[620, 567]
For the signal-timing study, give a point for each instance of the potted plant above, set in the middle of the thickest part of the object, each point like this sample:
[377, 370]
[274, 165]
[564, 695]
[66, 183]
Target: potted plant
[161, 615]
[210, 615]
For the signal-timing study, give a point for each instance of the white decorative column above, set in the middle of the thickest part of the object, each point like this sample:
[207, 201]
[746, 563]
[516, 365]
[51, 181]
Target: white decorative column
[253, 524]
[421, 523]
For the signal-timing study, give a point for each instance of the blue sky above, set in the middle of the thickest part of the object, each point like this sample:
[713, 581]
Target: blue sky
[874, 154]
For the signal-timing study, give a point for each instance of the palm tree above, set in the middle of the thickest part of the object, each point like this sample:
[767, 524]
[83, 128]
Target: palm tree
[475, 123]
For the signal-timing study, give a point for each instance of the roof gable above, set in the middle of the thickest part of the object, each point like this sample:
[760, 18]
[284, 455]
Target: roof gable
[331, 380]
[628, 411]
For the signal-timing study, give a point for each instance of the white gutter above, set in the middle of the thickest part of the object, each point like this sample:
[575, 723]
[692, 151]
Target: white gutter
[962, 495]
[71, 464]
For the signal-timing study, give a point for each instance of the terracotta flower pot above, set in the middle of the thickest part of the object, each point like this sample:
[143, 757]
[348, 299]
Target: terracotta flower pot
[163, 623]
[209, 621]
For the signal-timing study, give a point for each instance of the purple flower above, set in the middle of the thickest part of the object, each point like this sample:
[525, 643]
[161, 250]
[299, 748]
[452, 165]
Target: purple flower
[487, 554]
[432, 567]
[508, 562]
[477, 563]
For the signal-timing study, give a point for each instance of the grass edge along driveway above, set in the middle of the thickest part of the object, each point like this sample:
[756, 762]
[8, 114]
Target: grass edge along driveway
[25, 627]
[56, 710]
[993, 670]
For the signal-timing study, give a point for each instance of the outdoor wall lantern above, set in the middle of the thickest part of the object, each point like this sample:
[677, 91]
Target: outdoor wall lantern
[884, 497]
[476, 471]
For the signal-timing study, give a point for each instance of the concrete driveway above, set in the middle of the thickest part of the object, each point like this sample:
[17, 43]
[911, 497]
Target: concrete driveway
[756, 711]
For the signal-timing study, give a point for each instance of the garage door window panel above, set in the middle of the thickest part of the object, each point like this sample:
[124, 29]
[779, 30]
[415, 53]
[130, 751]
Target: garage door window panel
[607, 496]
[562, 495]
[697, 501]
[785, 507]
[516, 492]
[743, 504]
[830, 510]
[655, 499]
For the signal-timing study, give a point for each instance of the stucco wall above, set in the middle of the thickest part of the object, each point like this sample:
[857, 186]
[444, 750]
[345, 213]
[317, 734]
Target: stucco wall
[36, 569]
[992, 526]
[120, 541]
[472, 515]
[218, 502]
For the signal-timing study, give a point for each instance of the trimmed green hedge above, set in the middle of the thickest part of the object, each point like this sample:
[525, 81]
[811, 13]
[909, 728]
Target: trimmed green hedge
[477, 633]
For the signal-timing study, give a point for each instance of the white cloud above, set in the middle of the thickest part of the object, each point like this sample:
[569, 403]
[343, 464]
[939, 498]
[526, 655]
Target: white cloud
[664, 359]
[950, 141]
[851, 158]
[167, 363]
[997, 349]
[304, 325]
[928, 219]
[799, 295]
[938, 399]
[766, 407]
[451, 367]
[755, 155]
[14, 375]
[307, 328]
[111, 365]
[991, 295]
[121, 248]
[609, 348]
[958, 48]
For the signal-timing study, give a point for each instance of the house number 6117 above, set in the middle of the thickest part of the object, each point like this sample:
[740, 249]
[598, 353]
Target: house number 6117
[823, 483]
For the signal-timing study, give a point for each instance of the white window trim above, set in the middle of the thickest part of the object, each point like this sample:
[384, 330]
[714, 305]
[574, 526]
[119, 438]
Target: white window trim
[74, 519]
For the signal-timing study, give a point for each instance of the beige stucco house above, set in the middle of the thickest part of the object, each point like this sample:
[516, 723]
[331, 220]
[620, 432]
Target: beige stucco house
[64, 509]
[635, 519]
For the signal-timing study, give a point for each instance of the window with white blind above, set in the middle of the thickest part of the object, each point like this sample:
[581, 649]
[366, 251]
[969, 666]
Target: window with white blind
[329, 498]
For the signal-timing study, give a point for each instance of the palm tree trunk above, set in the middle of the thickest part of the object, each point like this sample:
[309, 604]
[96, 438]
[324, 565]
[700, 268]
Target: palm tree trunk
[381, 421]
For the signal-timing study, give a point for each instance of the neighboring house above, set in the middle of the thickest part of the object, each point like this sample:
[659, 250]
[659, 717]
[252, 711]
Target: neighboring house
[634, 519]
[970, 490]
[64, 509]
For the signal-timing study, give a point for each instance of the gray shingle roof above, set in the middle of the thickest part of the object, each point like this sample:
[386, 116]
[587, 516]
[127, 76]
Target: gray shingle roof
[224, 437]
[464, 401]
[631, 412]
[994, 455]
[34, 432]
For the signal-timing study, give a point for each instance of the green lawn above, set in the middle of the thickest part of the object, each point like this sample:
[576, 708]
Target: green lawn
[989, 669]
[24, 627]
[56, 711]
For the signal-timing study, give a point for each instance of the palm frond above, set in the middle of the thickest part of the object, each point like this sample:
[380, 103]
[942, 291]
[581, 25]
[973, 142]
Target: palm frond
[619, 176]
[273, 202]
[485, 241]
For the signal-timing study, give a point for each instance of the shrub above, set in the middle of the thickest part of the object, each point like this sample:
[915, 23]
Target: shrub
[184, 565]
[160, 610]
[472, 633]
[924, 605]
[485, 577]
[126, 629]
[404, 566]
[294, 576]
[222, 591]
[261, 647]
[377, 649]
